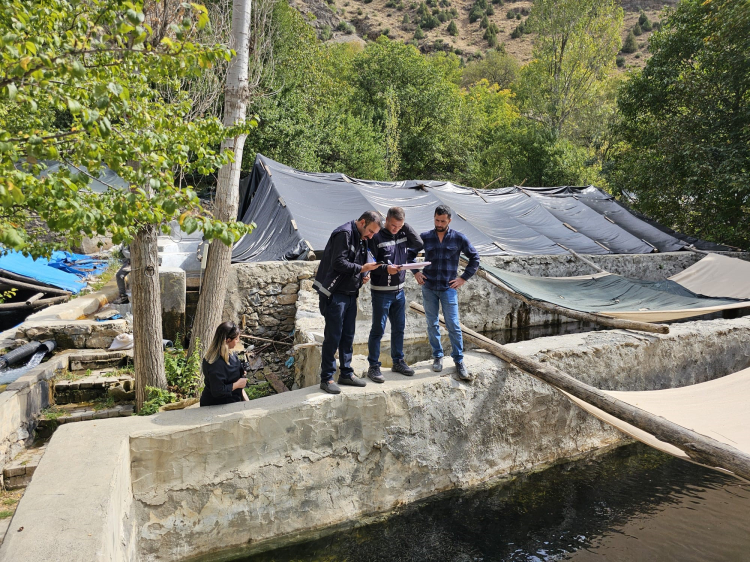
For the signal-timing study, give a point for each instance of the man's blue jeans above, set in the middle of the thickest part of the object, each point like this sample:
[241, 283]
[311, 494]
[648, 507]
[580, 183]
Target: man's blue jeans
[340, 313]
[449, 301]
[387, 305]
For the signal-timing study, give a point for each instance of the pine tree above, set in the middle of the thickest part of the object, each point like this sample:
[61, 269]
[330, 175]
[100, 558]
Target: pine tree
[630, 45]
[453, 28]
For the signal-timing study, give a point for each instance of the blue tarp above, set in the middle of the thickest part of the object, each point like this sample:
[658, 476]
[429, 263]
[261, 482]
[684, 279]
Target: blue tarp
[42, 270]
[77, 264]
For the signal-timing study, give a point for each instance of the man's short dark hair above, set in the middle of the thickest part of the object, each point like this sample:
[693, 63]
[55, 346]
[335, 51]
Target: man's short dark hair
[396, 213]
[372, 216]
[443, 210]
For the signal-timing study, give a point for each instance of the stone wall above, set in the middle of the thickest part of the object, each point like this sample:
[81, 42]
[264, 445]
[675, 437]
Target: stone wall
[262, 297]
[20, 404]
[483, 307]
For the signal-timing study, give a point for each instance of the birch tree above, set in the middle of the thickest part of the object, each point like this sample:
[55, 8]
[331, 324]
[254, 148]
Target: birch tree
[211, 302]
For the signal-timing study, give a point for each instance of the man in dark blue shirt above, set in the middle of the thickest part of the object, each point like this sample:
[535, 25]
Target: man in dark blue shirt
[442, 248]
[390, 247]
[342, 270]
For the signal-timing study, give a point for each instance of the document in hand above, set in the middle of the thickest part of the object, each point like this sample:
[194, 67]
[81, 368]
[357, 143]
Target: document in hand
[419, 265]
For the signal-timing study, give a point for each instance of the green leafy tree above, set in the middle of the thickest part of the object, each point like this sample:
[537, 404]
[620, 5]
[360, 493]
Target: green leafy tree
[115, 89]
[574, 52]
[497, 68]
[685, 156]
[428, 103]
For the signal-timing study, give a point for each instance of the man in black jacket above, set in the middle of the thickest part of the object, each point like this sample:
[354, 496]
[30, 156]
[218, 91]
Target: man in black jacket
[390, 247]
[341, 273]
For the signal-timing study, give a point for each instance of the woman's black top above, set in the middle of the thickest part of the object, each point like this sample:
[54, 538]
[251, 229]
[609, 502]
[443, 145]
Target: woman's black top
[219, 379]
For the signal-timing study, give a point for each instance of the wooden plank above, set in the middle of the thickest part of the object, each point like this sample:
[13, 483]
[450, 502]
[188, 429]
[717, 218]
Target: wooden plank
[39, 288]
[33, 299]
[698, 447]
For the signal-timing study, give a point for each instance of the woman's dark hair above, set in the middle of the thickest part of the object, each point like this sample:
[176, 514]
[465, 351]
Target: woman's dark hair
[225, 331]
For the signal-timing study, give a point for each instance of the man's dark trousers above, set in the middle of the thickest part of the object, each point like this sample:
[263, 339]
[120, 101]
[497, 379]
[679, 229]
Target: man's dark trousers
[340, 313]
[387, 305]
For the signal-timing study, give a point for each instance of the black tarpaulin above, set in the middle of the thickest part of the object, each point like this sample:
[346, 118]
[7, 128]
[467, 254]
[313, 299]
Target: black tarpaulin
[295, 211]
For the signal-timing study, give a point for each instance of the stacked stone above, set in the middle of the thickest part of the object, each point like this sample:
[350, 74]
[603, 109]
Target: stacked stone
[267, 295]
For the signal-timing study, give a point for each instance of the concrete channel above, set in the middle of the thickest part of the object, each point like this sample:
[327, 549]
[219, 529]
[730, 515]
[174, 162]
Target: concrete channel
[241, 478]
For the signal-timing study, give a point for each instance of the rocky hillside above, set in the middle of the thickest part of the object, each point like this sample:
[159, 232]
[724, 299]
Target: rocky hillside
[466, 27]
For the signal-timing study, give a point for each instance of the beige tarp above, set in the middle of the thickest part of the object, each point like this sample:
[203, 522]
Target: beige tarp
[718, 409]
[717, 276]
[667, 315]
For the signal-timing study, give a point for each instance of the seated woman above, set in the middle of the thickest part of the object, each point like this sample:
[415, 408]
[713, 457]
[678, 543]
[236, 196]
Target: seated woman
[222, 370]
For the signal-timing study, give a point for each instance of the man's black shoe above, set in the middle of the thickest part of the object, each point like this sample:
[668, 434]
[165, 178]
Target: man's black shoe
[330, 387]
[463, 374]
[437, 364]
[374, 373]
[352, 381]
[400, 366]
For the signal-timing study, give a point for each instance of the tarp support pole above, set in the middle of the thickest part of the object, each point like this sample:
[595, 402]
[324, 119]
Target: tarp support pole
[699, 448]
[586, 261]
[575, 314]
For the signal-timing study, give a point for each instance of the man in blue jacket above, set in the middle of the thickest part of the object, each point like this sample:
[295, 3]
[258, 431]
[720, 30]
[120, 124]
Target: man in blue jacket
[341, 273]
[440, 281]
[390, 247]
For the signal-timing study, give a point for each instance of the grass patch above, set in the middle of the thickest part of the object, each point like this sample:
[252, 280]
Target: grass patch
[9, 499]
[259, 390]
[52, 413]
[6, 514]
[104, 403]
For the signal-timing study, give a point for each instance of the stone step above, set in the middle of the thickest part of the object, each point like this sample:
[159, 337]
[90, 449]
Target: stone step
[73, 415]
[98, 359]
[18, 472]
[93, 387]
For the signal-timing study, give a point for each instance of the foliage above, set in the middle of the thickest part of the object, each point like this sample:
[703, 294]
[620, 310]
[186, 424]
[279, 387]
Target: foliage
[183, 373]
[630, 45]
[453, 28]
[8, 294]
[577, 41]
[88, 79]
[259, 390]
[685, 152]
[155, 399]
[497, 68]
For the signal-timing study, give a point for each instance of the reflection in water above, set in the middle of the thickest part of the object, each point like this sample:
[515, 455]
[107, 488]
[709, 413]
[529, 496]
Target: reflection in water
[632, 504]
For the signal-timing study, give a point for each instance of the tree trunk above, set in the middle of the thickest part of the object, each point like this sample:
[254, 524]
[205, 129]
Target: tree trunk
[148, 355]
[214, 287]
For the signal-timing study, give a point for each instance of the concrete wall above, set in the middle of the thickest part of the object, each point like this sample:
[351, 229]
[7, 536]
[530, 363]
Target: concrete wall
[20, 404]
[298, 464]
[482, 306]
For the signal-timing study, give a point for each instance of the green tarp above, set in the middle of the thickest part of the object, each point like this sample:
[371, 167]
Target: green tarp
[616, 296]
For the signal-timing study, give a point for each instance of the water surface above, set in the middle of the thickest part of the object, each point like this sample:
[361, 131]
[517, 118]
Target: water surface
[632, 504]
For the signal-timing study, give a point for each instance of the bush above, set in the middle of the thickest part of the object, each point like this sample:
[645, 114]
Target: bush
[485, 23]
[419, 34]
[442, 17]
[517, 32]
[620, 61]
[518, 16]
[182, 372]
[642, 19]
[386, 31]
[647, 25]
[490, 11]
[498, 2]
[637, 31]
[630, 45]
[325, 33]
[475, 13]
[405, 20]
[511, 14]
[453, 28]
[345, 27]
[155, 399]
